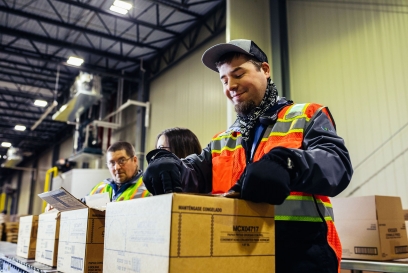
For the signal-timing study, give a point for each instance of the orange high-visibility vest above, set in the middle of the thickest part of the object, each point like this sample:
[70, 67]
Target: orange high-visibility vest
[228, 164]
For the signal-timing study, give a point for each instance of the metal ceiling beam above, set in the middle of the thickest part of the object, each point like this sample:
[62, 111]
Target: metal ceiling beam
[33, 118]
[39, 134]
[26, 69]
[17, 138]
[17, 82]
[10, 126]
[209, 26]
[104, 71]
[24, 94]
[117, 16]
[74, 27]
[20, 75]
[59, 43]
[179, 7]
[39, 112]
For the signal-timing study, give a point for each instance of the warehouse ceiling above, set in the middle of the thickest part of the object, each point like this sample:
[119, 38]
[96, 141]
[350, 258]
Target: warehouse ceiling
[38, 36]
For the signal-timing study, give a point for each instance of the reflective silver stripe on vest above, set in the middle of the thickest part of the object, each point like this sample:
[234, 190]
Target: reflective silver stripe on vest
[225, 142]
[101, 187]
[294, 119]
[283, 126]
[302, 210]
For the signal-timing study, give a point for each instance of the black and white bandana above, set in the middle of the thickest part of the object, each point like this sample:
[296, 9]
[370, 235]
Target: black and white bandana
[248, 122]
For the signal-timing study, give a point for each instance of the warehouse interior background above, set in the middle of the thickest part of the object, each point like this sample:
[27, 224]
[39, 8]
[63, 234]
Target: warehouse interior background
[348, 55]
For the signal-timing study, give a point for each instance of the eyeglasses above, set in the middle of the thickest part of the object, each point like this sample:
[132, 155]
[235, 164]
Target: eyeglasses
[121, 161]
[163, 147]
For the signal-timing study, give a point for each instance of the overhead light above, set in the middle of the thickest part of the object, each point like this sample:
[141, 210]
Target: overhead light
[19, 127]
[118, 9]
[75, 61]
[4, 156]
[5, 144]
[122, 4]
[40, 103]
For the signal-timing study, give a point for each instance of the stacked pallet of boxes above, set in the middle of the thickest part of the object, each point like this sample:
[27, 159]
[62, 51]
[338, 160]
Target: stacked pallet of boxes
[11, 231]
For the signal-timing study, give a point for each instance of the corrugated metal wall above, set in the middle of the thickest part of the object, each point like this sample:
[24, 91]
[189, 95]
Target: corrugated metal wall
[188, 95]
[352, 56]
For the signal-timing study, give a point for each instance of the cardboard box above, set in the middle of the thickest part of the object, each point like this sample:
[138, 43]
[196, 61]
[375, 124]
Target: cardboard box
[371, 227]
[27, 236]
[189, 233]
[405, 211]
[80, 247]
[47, 238]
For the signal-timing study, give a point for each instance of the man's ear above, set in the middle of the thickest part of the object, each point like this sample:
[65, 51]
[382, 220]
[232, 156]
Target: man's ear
[266, 69]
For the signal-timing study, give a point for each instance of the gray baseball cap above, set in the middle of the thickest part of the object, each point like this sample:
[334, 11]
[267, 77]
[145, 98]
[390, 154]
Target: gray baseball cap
[248, 47]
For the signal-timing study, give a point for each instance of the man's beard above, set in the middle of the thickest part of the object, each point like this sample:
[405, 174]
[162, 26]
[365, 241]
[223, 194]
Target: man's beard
[245, 107]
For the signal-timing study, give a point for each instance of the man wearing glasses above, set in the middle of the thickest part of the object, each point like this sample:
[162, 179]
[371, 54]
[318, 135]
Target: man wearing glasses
[126, 182]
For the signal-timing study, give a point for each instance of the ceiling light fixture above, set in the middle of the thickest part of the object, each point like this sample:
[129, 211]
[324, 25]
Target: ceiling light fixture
[40, 103]
[118, 9]
[122, 4]
[19, 127]
[5, 144]
[75, 61]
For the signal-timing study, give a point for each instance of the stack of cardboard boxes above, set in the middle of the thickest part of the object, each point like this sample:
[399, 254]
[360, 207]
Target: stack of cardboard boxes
[47, 238]
[81, 230]
[194, 233]
[11, 231]
[168, 233]
[27, 236]
[371, 228]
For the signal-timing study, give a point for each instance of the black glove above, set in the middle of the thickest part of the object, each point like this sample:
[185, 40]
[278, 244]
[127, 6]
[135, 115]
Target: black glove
[163, 175]
[266, 180]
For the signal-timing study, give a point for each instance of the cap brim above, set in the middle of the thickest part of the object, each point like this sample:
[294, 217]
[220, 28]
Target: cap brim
[214, 53]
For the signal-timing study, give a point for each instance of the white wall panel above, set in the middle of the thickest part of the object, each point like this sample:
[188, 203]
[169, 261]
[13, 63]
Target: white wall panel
[24, 194]
[66, 148]
[188, 95]
[351, 56]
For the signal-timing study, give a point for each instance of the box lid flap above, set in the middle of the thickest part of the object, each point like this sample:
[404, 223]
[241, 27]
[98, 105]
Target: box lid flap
[354, 208]
[389, 208]
[98, 201]
[62, 200]
[368, 207]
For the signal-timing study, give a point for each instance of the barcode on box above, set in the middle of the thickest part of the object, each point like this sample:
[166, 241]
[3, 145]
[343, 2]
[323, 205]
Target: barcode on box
[365, 250]
[77, 263]
[136, 265]
[401, 249]
[48, 255]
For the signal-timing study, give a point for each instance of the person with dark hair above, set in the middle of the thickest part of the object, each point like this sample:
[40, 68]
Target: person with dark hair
[180, 141]
[277, 152]
[126, 182]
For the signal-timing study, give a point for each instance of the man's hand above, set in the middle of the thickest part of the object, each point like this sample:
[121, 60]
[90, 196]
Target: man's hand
[163, 175]
[48, 208]
[266, 180]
